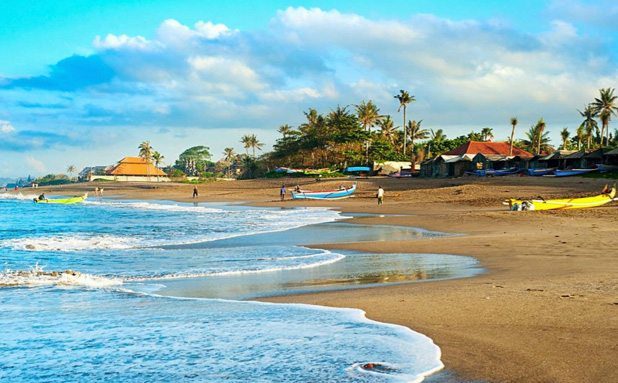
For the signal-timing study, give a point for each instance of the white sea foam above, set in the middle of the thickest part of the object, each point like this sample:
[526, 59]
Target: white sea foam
[18, 196]
[37, 277]
[68, 242]
[143, 205]
[329, 258]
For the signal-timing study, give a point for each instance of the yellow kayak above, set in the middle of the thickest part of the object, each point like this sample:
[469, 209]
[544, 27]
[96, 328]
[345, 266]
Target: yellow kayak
[64, 201]
[565, 203]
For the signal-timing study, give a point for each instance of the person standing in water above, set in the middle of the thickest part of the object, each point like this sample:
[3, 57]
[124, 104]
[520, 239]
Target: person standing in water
[380, 195]
[282, 192]
[195, 192]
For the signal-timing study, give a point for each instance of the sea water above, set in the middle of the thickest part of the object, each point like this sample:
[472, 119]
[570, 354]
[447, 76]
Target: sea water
[85, 297]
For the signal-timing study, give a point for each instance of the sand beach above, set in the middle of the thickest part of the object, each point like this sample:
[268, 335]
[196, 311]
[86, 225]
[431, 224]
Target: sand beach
[544, 311]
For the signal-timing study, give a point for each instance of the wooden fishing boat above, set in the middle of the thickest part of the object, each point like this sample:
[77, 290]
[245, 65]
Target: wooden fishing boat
[573, 172]
[541, 172]
[564, 203]
[607, 168]
[325, 194]
[63, 201]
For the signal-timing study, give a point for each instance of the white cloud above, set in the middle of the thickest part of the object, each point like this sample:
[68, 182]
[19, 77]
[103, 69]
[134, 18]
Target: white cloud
[6, 127]
[35, 164]
[112, 41]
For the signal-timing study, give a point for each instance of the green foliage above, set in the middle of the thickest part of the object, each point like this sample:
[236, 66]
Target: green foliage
[194, 160]
[53, 179]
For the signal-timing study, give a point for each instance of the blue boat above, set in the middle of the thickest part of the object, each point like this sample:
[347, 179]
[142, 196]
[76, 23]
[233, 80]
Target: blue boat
[325, 195]
[494, 173]
[607, 168]
[540, 172]
[573, 172]
[358, 169]
[506, 172]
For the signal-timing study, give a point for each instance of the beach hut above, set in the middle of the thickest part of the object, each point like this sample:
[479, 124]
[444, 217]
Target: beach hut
[135, 169]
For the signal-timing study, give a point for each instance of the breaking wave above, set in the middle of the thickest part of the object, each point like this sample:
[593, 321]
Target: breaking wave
[37, 277]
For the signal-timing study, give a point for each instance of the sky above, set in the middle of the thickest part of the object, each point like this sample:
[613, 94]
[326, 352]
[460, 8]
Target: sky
[83, 82]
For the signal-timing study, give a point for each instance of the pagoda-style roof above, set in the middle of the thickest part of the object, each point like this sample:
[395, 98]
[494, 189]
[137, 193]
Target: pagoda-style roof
[136, 166]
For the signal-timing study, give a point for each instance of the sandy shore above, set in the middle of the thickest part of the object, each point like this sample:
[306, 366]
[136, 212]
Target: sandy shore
[546, 310]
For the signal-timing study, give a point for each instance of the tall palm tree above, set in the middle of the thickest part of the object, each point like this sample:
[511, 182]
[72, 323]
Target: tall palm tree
[589, 124]
[368, 115]
[228, 156]
[254, 143]
[157, 158]
[564, 134]
[534, 140]
[71, 169]
[581, 135]
[387, 129]
[145, 151]
[513, 124]
[540, 128]
[604, 107]
[246, 142]
[284, 130]
[487, 134]
[404, 99]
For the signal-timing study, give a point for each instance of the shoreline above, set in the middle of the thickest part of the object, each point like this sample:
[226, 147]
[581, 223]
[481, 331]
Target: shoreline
[543, 312]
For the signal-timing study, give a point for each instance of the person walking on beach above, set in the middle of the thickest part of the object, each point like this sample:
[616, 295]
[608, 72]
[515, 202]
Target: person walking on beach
[282, 192]
[195, 192]
[380, 195]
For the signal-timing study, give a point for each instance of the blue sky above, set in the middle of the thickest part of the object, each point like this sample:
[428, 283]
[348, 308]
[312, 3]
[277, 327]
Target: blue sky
[83, 82]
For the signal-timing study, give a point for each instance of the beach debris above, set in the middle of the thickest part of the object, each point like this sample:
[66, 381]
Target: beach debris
[529, 289]
[567, 296]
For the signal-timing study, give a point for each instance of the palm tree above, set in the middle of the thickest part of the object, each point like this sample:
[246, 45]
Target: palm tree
[564, 134]
[404, 99]
[513, 124]
[581, 135]
[438, 136]
[254, 143]
[228, 156]
[246, 142]
[540, 128]
[284, 130]
[157, 158]
[387, 129]
[368, 115]
[487, 134]
[71, 169]
[535, 140]
[604, 107]
[145, 151]
[589, 124]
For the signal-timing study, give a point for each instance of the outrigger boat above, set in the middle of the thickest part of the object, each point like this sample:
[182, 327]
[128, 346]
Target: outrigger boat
[63, 201]
[564, 203]
[327, 195]
[607, 168]
[573, 172]
[540, 172]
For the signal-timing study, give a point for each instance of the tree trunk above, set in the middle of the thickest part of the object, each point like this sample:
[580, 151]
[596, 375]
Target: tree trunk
[511, 146]
[405, 131]
[606, 129]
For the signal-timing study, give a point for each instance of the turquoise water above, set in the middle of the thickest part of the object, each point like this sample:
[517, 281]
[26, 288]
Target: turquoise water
[143, 300]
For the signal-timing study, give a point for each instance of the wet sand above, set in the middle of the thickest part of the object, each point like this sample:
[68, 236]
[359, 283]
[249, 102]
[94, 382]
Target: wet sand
[545, 311]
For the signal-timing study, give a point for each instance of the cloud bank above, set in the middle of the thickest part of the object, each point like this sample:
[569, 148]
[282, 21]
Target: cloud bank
[466, 73]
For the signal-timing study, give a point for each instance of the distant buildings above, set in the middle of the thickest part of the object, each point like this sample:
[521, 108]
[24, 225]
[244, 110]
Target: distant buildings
[128, 169]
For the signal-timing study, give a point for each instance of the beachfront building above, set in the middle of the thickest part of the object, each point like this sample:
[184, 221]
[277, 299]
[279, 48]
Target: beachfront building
[90, 173]
[134, 169]
[475, 155]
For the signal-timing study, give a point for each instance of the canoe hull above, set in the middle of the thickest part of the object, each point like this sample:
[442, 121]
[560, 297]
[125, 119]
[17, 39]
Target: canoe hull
[565, 203]
[64, 201]
[325, 195]
[573, 172]
[540, 172]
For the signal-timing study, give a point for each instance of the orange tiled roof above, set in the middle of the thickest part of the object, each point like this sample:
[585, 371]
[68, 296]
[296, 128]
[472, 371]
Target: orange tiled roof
[500, 148]
[135, 166]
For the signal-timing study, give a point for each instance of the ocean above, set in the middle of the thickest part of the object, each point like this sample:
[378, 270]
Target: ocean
[140, 291]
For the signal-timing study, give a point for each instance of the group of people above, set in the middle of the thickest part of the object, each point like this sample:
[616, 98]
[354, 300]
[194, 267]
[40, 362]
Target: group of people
[297, 189]
[98, 192]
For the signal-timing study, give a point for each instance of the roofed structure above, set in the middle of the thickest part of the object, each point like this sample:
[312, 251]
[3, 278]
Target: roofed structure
[488, 148]
[135, 166]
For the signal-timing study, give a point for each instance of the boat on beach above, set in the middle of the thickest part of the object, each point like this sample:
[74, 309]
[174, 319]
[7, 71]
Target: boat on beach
[540, 172]
[563, 203]
[572, 172]
[494, 173]
[63, 201]
[325, 194]
[607, 168]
